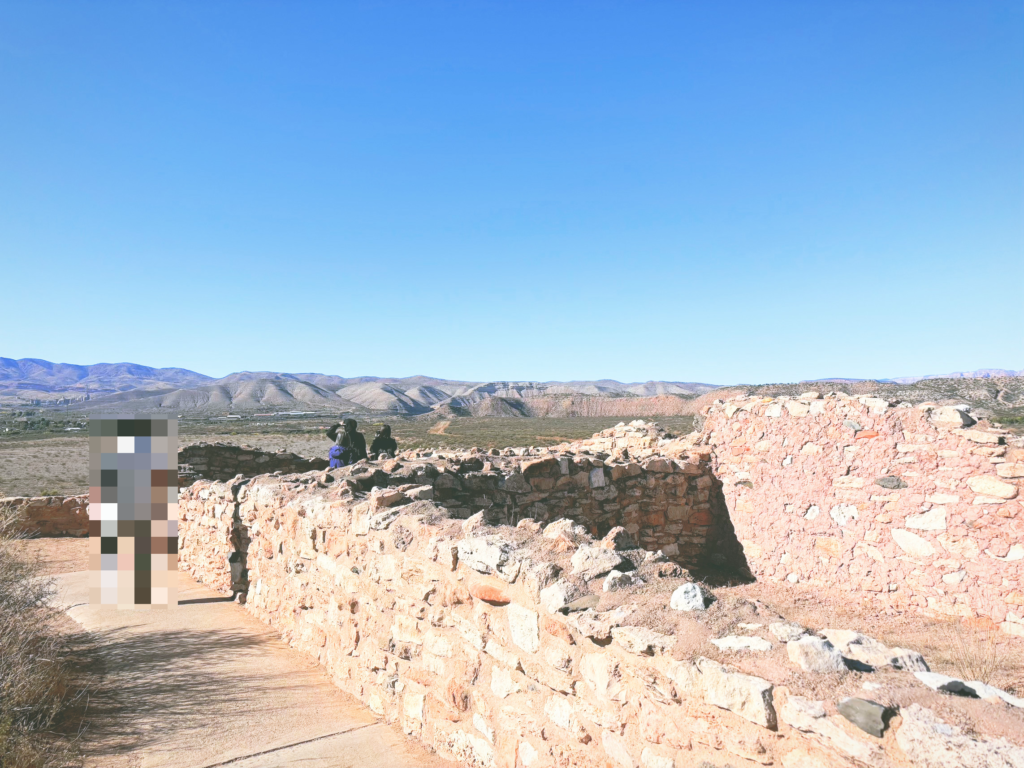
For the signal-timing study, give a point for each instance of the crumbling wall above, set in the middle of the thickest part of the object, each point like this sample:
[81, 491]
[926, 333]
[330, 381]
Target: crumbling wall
[664, 503]
[222, 461]
[49, 515]
[458, 632]
[909, 505]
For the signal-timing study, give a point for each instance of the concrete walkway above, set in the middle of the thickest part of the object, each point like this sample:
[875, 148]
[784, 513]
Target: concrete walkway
[205, 684]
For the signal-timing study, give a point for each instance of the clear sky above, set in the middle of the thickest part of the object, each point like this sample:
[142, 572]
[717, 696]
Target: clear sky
[695, 191]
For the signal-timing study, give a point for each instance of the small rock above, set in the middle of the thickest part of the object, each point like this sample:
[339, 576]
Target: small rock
[489, 593]
[809, 716]
[786, 632]
[489, 555]
[944, 683]
[651, 759]
[598, 626]
[584, 603]
[748, 696]
[854, 425]
[690, 597]
[420, 492]
[993, 694]
[642, 641]
[557, 596]
[566, 528]
[618, 580]
[589, 562]
[474, 523]
[956, 417]
[890, 483]
[813, 654]
[740, 643]
[617, 539]
[525, 627]
[870, 716]
[867, 650]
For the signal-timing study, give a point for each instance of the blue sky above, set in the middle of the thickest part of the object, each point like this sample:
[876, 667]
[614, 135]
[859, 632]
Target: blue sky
[696, 191]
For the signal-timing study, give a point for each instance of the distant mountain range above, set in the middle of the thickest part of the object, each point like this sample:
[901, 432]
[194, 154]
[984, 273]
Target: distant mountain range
[981, 373]
[109, 386]
[33, 381]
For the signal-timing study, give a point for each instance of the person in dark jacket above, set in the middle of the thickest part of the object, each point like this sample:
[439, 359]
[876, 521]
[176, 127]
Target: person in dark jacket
[358, 442]
[383, 444]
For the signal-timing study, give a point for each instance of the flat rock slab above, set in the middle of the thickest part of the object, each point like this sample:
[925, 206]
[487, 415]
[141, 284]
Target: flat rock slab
[870, 716]
[205, 683]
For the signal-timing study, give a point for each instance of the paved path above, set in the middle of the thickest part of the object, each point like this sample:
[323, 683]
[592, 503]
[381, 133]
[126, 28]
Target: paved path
[205, 684]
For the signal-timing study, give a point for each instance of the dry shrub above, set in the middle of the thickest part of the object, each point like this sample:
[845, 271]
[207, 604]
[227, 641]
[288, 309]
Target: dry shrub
[975, 654]
[36, 686]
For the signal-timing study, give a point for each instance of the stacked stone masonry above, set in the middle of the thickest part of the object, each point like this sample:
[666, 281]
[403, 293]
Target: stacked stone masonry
[49, 515]
[916, 506]
[222, 461]
[496, 644]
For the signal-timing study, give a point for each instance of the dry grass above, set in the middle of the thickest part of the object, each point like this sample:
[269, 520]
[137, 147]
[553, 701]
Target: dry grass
[38, 692]
[975, 654]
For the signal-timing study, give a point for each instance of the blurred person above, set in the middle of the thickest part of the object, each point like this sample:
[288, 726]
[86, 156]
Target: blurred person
[383, 445]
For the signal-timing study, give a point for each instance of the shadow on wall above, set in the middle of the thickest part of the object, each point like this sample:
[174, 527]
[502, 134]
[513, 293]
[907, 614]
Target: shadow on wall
[724, 564]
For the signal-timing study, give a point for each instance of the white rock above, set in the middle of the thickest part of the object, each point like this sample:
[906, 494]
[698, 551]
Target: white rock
[786, 632]
[559, 709]
[589, 562]
[944, 683]
[928, 742]
[651, 759]
[616, 748]
[564, 527]
[558, 595]
[812, 654]
[741, 643]
[843, 513]
[993, 694]
[809, 716]
[986, 485]
[641, 640]
[598, 624]
[502, 682]
[600, 673]
[525, 627]
[617, 580]
[948, 415]
[912, 544]
[690, 597]
[421, 492]
[487, 555]
[481, 725]
[867, 650]
[748, 696]
[932, 520]
[527, 753]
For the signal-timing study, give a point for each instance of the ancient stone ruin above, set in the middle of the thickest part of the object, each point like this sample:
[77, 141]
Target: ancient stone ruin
[530, 608]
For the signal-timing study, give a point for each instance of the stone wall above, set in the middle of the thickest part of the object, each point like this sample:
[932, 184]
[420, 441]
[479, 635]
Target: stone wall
[915, 506]
[221, 461]
[49, 515]
[666, 504]
[498, 645]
